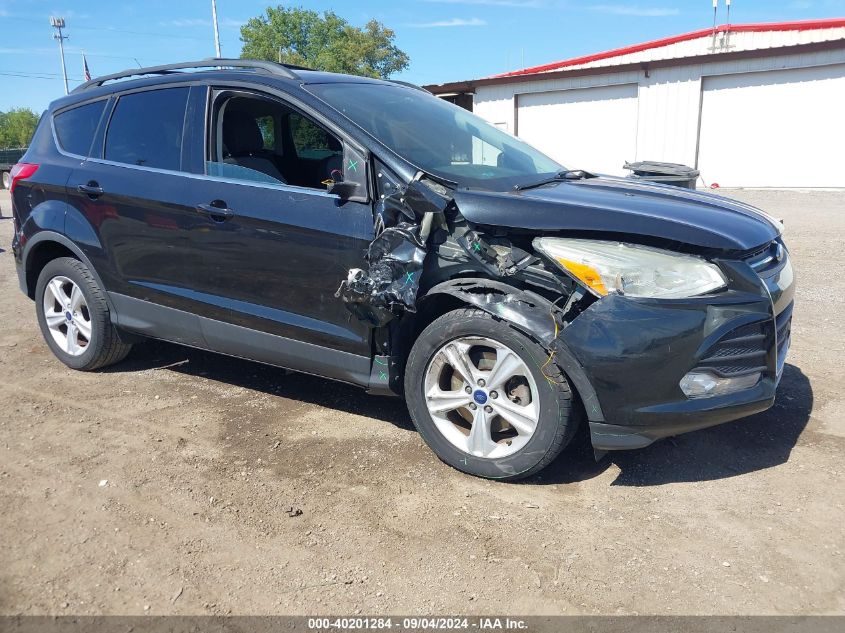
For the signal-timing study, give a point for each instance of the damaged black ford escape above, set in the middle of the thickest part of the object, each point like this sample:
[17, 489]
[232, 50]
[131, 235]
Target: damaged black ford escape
[368, 232]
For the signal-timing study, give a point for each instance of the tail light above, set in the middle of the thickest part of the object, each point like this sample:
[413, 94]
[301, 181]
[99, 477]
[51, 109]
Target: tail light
[21, 171]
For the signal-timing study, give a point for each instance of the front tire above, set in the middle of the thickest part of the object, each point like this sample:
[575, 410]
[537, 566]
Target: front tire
[484, 398]
[74, 317]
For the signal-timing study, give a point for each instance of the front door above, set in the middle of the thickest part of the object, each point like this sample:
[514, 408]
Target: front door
[276, 245]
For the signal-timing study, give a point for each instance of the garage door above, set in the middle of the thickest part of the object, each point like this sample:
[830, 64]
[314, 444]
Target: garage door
[781, 128]
[588, 128]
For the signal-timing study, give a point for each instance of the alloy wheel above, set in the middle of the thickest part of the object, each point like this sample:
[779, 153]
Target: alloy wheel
[67, 316]
[482, 397]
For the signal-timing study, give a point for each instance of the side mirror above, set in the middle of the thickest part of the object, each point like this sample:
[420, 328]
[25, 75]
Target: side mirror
[344, 188]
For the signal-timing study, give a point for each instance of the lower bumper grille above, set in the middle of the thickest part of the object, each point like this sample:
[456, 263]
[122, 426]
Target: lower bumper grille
[783, 323]
[743, 350]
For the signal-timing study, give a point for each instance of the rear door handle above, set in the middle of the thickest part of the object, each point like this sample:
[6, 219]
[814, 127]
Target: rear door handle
[91, 189]
[219, 213]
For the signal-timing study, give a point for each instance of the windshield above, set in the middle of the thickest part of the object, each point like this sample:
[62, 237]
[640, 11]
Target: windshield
[437, 136]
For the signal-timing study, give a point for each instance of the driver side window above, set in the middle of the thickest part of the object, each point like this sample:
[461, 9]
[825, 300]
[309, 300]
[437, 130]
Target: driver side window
[259, 139]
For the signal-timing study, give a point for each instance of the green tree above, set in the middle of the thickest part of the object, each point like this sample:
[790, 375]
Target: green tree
[17, 127]
[323, 42]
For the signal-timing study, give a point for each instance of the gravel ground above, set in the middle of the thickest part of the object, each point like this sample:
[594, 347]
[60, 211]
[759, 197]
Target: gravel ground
[167, 485]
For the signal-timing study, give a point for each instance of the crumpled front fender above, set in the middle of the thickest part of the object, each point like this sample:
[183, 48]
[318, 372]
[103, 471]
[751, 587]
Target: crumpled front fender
[533, 315]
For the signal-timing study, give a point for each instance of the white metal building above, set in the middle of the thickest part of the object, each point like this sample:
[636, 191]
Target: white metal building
[755, 105]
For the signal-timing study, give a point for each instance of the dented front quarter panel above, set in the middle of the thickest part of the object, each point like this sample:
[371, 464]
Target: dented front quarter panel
[534, 315]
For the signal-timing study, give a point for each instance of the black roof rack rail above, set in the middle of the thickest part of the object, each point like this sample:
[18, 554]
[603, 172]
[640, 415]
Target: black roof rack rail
[272, 68]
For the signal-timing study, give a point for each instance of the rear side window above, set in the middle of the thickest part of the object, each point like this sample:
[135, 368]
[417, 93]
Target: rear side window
[146, 129]
[75, 128]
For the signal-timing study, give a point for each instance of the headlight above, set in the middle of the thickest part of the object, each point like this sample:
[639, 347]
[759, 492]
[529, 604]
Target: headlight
[632, 270]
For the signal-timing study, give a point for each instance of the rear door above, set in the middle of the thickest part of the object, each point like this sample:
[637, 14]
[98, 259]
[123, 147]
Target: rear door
[139, 201]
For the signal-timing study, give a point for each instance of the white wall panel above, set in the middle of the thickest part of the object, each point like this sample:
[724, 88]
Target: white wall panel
[780, 128]
[588, 128]
[496, 103]
[668, 115]
[669, 106]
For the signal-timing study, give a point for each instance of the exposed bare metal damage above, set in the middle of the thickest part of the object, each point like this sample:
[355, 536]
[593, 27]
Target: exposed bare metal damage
[392, 280]
[389, 286]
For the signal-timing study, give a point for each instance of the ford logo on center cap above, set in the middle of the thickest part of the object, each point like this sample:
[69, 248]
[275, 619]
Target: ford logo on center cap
[480, 397]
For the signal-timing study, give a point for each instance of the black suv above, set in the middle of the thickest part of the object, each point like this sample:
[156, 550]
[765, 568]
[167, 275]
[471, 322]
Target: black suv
[369, 232]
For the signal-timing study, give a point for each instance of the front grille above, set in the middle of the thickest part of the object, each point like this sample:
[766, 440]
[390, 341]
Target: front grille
[766, 258]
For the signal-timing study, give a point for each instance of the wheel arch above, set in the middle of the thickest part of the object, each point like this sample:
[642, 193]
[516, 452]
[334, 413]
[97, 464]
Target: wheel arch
[536, 323]
[44, 247]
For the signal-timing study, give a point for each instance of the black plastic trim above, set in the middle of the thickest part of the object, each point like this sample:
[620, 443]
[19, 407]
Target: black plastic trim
[170, 324]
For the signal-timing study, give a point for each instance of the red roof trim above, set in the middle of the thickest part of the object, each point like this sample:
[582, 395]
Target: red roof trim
[804, 25]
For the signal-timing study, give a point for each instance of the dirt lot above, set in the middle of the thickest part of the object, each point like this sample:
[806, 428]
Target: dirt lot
[163, 486]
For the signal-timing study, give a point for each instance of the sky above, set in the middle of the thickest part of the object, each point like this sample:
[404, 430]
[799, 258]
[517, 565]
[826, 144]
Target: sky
[447, 40]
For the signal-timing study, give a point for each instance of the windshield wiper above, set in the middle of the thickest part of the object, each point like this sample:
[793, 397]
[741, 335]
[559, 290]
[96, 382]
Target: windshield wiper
[569, 174]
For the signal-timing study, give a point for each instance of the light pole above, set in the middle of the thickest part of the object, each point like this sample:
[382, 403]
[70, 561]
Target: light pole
[216, 31]
[59, 24]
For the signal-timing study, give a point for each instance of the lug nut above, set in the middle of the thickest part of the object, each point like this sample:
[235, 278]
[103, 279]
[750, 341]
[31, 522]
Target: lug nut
[472, 406]
[468, 389]
[481, 382]
[494, 394]
[488, 409]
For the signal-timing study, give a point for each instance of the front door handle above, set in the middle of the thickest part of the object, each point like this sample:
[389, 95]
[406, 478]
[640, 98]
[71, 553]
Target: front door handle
[217, 210]
[92, 189]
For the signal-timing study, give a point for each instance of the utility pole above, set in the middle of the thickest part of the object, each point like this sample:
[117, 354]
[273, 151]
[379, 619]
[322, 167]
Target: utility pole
[59, 24]
[216, 31]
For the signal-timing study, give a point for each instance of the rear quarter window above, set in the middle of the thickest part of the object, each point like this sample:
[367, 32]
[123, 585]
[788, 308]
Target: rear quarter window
[75, 128]
[146, 129]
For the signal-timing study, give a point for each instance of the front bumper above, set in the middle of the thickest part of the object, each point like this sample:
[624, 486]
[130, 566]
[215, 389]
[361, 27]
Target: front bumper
[634, 353]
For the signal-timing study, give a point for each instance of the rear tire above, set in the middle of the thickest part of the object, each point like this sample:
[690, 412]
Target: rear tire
[510, 419]
[74, 317]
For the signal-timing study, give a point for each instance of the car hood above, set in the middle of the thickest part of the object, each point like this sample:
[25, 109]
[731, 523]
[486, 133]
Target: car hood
[621, 205]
